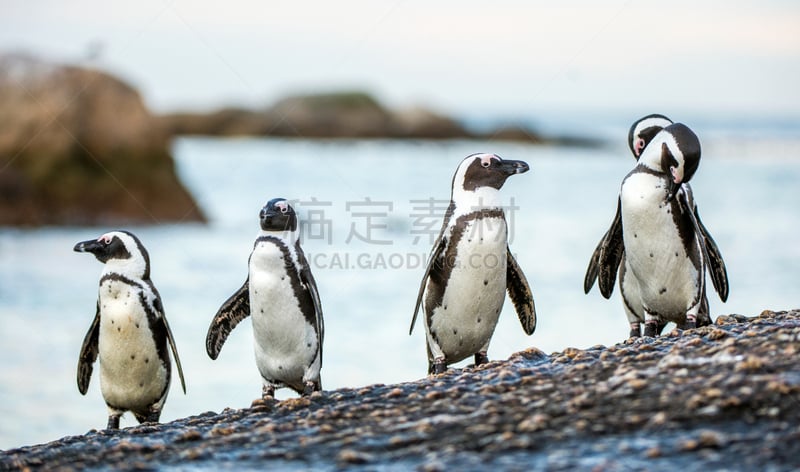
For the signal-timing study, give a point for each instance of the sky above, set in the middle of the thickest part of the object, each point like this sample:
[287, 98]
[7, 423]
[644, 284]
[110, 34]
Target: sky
[719, 58]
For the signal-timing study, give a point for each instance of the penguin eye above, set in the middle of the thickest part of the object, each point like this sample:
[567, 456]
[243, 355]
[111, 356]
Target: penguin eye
[486, 164]
[284, 209]
[105, 239]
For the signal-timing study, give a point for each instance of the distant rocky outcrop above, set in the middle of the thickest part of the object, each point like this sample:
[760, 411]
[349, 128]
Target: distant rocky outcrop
[78, 146]
[347, 114]
[720, 397]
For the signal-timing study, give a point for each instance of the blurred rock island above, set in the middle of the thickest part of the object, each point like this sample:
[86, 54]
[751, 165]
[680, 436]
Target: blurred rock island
[346, 114]
[79, 147]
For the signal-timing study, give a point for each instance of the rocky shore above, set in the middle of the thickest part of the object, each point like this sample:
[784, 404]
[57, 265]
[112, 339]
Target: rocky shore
[726, 396]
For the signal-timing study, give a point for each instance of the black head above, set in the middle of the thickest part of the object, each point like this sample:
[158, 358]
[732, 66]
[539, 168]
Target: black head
[119, 246]
[644, 130]
[674, 151]
[278, 215]
[486, 170]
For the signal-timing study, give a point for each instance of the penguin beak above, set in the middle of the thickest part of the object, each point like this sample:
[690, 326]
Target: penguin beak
[674, 182]
[92, 246]
[510, 168]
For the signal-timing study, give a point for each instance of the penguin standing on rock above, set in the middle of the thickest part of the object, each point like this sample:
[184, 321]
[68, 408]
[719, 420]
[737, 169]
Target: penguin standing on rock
[639, 136]
[129, 334]
[471, 267]
[281, 296]
[665, 251]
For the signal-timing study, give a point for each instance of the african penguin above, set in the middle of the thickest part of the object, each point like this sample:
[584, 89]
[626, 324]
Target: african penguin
[639, 136]
[281, 296]
[129, 334]
[471, 267]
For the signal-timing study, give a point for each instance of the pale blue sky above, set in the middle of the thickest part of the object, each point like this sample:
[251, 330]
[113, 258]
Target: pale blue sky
[702, 57]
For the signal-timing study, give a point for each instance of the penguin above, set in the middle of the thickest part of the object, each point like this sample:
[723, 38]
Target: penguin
[280, 294]
[129, 334]
[470, 267]
[640, 134]
[664, 250]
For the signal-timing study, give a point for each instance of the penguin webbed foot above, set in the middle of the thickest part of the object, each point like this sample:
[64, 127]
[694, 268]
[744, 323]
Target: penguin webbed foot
[438, 366]
[113, 422]
[636, 331]
[481, 358]
[691, 322]
[268, 392]
[651, 328]
[311, 387]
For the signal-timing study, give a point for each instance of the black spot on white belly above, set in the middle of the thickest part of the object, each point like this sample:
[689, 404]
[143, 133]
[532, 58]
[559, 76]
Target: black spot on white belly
[133, 356]
[445, 307]
[141, 384]
[146, 360]
[455, 331]
[676, 254]
[651, 254]
[119, 329]
[280, 367]
[308, 344]
[479, 320]
[663, 290]
[137, 325]
[635, 235]
[485, 282]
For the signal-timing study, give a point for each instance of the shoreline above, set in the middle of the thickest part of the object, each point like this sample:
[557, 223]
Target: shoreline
[722, 396]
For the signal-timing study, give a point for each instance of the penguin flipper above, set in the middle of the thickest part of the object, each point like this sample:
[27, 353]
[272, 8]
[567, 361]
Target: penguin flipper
[308, 279]
[231, 313]
[593, 268]
[174, 350]
[613, 249]
[88, 355]
[436, 252]
[717, 270]
[520, 293]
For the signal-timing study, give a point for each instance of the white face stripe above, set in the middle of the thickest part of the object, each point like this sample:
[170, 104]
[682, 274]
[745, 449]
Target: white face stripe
[650, 123]
[135, 266]
[282, 205]
[651, 157]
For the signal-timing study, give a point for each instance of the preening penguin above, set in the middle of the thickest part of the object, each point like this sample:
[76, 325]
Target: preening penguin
[639, 136]
[281, 296]
[129, 334]
[471, 267]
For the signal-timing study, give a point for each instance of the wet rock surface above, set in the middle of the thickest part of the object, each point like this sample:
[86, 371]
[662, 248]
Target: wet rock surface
[726, 396]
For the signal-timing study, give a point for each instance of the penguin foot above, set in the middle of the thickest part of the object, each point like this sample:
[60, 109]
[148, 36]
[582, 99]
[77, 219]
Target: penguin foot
[636, 331]
[651, 328]
[439, 367]
[151, 417]
[691, 322]
[268, 392]
[310, 387]
[113, 422]
[481, 358]
[660, 327]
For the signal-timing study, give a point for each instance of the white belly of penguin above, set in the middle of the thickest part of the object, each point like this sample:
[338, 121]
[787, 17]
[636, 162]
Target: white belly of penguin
[131, 373]
[655, 256]
[285, 343]
[475, 292]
